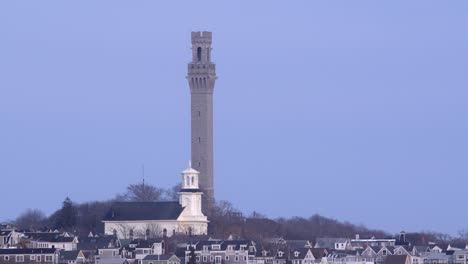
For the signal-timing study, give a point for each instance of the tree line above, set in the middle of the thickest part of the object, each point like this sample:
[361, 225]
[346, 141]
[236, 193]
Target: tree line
[225, 220]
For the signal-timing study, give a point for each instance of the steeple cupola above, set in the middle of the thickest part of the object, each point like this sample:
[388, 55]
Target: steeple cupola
[190, 178]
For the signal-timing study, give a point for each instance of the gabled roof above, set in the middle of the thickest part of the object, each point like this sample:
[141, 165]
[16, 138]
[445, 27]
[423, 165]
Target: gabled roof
[301, 253]
[319, 253]
[396, 259]
[142, 243]
[93, 243]
[160, 257]
[69, 255]
[49, 237]
[134, 211]
[5, 232]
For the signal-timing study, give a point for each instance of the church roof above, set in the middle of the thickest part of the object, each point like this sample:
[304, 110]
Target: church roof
[190, 170]
[134, 211]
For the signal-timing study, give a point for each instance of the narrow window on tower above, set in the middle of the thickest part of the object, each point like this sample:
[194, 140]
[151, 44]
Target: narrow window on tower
[199, 113]
[199, 164]
[199, 139]
[199, 53]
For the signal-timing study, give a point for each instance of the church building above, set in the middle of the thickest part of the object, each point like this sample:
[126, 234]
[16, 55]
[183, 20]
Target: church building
[129, 220]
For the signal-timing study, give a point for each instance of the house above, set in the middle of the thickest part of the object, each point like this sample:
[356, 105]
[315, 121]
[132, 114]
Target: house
[50, 240]
[349, 257]
[459, 256]
[302, 256]
[362, 243]
[142, 248]
[110, 256]
[435, 258]
[223, 251]
[72, 257]
[29, 255]
[161, 259]
[130, 220]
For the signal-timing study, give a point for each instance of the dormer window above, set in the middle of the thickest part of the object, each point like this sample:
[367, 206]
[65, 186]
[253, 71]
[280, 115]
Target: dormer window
[280, 254]
[215, 247]
[296, 254]
[205, 248]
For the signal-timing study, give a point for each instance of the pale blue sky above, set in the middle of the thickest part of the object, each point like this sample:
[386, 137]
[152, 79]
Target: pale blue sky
[355, 110]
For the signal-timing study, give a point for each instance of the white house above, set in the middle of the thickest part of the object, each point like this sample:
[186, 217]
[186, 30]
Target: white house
[155, 219]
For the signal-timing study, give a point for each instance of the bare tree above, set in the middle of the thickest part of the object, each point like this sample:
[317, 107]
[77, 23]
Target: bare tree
[32, 219]
[172, 194]
[124, 230]
[141, 193]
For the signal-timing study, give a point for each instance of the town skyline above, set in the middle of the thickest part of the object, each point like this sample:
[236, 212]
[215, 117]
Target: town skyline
[315, 105]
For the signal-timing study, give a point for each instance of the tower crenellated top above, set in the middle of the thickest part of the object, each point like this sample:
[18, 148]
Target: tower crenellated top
[201, 47]
[201, 37]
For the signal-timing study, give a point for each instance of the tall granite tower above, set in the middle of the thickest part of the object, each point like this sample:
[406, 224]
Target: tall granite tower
[201, 77]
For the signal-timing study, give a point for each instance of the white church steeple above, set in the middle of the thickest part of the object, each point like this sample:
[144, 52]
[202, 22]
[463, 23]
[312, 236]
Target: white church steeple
[190, 196]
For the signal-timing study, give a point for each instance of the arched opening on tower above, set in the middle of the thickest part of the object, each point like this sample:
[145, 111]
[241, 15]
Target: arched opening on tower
[199, 53]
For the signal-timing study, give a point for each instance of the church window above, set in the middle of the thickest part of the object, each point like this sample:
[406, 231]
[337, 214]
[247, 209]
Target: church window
[147, 233]
[164, 232]
[131, 233]
[199, 50]
[114, 232]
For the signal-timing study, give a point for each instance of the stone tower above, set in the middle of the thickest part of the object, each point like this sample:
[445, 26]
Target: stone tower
[201, 77]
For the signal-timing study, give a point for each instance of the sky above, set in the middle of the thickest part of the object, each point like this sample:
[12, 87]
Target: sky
[354, 110]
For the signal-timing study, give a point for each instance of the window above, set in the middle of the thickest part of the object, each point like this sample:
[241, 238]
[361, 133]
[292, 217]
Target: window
[198, 258]
[19, 258]
[38, 258]
[114, 232]
[6, 258]
[245, 258]
[131, 233]
[199, 53]
[211, 258]
[218, 260]
[384, 252]
[32, 257]
[226, 257]
[205, 258]
[48, 258]
[236, 258]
